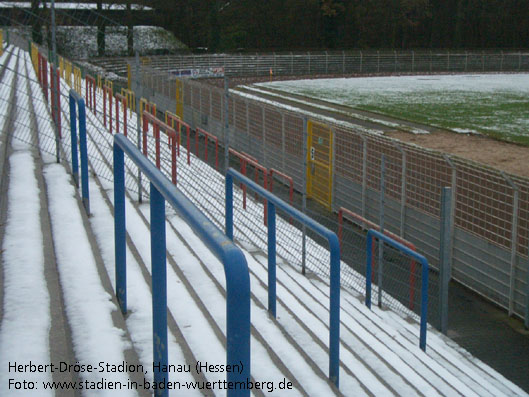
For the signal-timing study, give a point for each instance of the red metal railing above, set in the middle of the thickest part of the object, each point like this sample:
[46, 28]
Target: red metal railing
[90, 92]
[287, 179]
[172, 120]
[123, 100]
[107, 92]
[158, 126]
[366, 224]
[43, 72]
[56, 100]
[213, 138]
[245, 160]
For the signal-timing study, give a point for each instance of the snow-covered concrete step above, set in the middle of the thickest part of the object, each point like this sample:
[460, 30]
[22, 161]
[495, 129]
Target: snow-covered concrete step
[32, 327]
[58, 309]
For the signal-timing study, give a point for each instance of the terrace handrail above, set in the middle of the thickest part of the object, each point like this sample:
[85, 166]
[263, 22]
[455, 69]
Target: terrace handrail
[273, 202]
[90, 92]
[366, 225]
[158, 126]
[424, 286]
[235, 266]
[77, 101]
[123, 100]
[107, 91]
[207, 136]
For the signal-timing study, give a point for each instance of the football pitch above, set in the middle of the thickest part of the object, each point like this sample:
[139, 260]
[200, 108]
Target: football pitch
[493, 104]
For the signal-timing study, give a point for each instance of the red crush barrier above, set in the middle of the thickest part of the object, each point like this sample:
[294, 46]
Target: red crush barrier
[55, 81]
[244, 160]
[213, 138]
[45, 77]
[366, 224]
[172, 119]
[123, 100]
[107, 92]
[158, 126]
[285, 177]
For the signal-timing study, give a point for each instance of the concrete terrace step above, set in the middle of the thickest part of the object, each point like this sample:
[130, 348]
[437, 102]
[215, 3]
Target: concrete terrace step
[48, 262]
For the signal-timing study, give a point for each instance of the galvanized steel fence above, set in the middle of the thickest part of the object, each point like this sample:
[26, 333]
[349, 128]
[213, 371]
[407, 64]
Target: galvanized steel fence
[490, 235]
[336, 62]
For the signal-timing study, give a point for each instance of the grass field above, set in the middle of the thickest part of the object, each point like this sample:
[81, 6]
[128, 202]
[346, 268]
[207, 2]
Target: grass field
[493, 104]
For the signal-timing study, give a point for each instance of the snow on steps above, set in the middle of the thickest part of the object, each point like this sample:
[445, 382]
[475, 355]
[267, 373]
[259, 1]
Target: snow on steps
[39, 272]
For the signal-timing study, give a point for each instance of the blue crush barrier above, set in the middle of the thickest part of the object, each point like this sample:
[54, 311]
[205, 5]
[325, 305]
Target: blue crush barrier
[77, 101]
[424, 286]
[273, 202]
[235, 265]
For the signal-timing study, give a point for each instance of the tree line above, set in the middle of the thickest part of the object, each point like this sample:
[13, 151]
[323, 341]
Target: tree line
[224, 25]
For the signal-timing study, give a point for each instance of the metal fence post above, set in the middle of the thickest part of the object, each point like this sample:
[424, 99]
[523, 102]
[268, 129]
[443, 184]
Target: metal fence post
[138, 94]
[283, 142]
[514, 240]
[453, 182]
[248, 136]
[361, 61]
[431, 61]
[271, 258]
[364, 175]
[403, 182]
[304, 198]
[527, 300]
[445, 261]
[264, 135]
[226, 124]
[381, 223]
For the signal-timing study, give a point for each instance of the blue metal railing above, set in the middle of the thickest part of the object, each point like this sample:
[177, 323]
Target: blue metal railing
[273, 202]
[424, 286]
[235, 265]
[76, 99]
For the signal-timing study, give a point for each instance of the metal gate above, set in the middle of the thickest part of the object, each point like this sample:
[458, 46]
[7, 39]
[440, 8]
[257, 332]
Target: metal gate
[319, 163]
